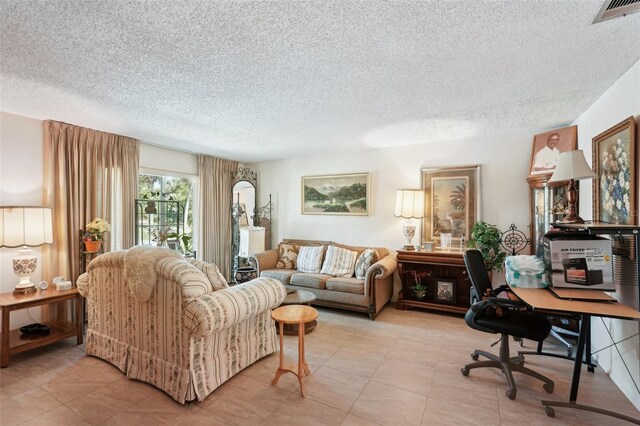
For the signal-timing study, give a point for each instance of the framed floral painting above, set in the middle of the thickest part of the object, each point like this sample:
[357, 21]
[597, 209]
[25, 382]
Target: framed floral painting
[614, 163]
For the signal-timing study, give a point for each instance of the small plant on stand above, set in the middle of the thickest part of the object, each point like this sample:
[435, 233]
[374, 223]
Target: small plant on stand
[487, 239]
[95, 233]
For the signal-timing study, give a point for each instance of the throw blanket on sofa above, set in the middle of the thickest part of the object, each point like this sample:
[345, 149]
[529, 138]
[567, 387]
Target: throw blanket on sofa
[140, 269]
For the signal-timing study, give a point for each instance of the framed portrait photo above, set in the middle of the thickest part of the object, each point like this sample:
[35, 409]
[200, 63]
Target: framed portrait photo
[445, 291]
[548, 146]
[614, 163]
[336, 194]
[452, 202]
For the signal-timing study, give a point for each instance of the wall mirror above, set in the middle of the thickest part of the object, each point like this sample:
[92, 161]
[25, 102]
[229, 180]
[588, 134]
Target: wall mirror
[246, 213]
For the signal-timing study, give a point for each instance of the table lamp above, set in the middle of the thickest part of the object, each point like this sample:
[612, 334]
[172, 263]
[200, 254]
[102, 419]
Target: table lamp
[25, 227]
[572, 166]
[409, 205]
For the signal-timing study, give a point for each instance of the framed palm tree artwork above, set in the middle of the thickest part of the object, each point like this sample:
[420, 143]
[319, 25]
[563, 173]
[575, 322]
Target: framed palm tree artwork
[452, 202]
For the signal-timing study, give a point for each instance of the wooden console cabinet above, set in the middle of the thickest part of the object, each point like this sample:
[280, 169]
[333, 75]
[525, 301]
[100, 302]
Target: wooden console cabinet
[432, 267]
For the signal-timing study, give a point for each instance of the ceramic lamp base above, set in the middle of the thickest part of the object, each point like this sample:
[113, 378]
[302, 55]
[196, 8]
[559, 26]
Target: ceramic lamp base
[409, 231]
[24, 264]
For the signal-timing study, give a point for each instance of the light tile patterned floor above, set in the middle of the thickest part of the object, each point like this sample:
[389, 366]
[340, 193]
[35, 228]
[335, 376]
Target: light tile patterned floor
[402, 369]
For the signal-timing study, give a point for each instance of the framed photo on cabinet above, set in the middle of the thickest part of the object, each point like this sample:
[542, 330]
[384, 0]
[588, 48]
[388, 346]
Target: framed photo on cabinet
[614, 163]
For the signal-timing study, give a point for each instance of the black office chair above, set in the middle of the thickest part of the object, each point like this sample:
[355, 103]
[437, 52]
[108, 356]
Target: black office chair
[515, 322]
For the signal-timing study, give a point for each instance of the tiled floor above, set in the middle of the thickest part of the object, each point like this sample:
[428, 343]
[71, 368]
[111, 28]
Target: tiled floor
[402, 369]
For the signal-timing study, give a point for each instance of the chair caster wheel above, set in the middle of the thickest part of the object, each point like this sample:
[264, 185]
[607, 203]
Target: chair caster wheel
[549, 411]
[548, 387]
[511, 393]
[519, 362]
[590, 369]
[475, 356]
[464, 371]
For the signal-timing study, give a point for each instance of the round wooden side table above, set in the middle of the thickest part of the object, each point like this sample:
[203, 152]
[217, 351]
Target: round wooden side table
[300, 315]
[299, 297]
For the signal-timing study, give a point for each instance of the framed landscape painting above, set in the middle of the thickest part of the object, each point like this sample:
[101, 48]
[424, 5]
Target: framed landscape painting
[336, 194]
[614, 163]
[452, 202]
[548, 146]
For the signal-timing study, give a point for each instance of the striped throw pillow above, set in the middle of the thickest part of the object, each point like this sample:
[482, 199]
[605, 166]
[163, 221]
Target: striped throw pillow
[364, 262]
[339, 262]
[310, 259]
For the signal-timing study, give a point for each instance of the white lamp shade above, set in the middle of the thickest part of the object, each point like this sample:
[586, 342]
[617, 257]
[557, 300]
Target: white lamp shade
[25, 226]
[251, 240]
[572, 165]
[409, 203]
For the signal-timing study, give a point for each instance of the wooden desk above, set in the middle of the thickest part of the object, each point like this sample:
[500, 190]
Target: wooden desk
[543, 301]
[12, 340]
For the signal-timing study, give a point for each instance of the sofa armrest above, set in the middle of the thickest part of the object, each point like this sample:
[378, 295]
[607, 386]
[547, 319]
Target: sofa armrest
[224, 308]
[380, 270]
[266, 259]
[83, 284]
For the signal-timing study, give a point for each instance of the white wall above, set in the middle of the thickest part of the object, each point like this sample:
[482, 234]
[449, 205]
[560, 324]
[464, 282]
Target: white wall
[616, 104]
[20, 185]
[504, 191]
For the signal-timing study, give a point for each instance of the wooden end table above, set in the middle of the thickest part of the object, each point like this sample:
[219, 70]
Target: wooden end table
[299, 297]
[299, 315]
[14, 342]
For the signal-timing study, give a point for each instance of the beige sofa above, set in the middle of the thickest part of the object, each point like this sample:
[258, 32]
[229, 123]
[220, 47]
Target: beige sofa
[368, 295]
[174, 323]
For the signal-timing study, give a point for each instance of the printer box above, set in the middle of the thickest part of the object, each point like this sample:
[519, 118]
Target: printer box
[578, 262]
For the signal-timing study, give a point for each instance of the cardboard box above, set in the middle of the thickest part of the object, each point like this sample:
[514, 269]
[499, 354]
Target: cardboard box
[578, 261]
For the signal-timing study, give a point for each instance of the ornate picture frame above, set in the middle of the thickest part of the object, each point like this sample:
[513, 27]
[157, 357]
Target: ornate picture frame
[614, 163]
[452, 201]
[547, 147]
[445, 291]
[346, 194]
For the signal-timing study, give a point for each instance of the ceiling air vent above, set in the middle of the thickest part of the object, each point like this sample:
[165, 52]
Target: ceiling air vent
[614, 8]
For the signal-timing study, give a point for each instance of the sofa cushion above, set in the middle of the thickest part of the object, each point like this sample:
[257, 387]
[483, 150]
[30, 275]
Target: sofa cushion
[364, 262]
[310, 259]
[346, 285]
[339, 262]
[310, 280]
[212, 272]
[287, 255]
[282, 275]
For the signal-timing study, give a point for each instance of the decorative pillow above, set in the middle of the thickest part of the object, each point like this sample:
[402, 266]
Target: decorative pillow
[287, 255]
[212, 272]
[339, 262]
[364, 262]
[310, 259]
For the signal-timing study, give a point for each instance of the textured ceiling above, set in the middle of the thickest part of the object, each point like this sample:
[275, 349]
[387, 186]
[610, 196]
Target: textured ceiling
[256, 81]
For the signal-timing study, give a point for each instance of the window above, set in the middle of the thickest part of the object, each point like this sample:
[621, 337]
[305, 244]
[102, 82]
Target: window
[163, 227]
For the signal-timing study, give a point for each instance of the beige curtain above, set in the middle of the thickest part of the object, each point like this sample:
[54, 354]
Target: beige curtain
[87, 174]
[215, 177]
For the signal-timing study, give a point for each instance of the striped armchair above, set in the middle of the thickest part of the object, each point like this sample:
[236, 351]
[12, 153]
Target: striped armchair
[174, 324]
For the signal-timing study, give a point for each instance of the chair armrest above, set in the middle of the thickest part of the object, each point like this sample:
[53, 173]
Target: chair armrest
[83, 284]
[224, 308]
[506, 303]
[266, 259]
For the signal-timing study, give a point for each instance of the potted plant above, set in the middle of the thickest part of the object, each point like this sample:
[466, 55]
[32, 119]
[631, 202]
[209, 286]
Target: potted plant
[94, 234]
[487, 239]
[419, 290]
